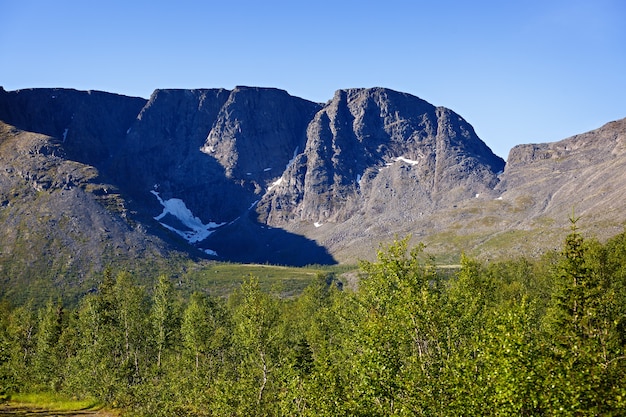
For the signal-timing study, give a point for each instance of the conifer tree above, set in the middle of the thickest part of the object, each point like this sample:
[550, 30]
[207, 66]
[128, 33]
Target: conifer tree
[581, 326]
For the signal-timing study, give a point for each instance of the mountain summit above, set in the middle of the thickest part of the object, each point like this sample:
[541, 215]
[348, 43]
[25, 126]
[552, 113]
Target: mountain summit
[257, 175]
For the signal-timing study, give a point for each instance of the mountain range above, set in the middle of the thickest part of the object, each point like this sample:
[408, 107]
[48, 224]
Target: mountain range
[254, 174]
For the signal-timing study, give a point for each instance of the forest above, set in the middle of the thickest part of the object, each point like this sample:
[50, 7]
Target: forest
[521, 337]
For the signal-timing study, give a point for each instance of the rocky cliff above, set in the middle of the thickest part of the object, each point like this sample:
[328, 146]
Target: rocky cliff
[371, 151]
[257, 175]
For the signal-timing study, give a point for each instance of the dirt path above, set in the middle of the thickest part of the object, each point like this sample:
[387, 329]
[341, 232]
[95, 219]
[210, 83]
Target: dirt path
[8, 409]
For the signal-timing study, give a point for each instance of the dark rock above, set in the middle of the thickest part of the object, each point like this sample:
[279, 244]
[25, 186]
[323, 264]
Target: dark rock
[90, 124]
[269, 177]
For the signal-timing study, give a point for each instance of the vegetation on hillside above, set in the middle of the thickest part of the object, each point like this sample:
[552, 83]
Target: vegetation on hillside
[517, 337]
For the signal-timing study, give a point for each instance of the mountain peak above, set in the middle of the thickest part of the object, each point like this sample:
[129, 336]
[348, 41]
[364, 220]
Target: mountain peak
[255, 174]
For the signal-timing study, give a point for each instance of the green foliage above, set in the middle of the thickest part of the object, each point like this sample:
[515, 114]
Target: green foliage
[48, 361]
[511, 338]
[162, 317]
[397, 333]
[258, 342]
[55, 402]
[584, 322]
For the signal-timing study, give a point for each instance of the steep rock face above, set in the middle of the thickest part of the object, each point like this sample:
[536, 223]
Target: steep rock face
[214, 149]
[370, 147]
[257, 132]
[90, 124]
[161, 152]
[149, 167]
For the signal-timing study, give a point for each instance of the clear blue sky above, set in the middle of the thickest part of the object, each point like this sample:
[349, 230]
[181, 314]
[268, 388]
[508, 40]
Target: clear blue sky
[518, 71]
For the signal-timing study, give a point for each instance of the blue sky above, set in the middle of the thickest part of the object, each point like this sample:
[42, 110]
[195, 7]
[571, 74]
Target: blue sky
[518, 71]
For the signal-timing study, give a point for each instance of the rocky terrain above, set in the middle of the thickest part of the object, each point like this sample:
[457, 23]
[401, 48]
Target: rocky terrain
[257, 175]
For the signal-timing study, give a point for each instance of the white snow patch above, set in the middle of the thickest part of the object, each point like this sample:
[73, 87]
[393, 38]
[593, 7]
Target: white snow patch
[477, 195]
[207, 149]
[177, 208]
[65, 134]
[317, 224]
[407, 160]
[499, 198]
[358, 179]
[275, 183]
[280, 180]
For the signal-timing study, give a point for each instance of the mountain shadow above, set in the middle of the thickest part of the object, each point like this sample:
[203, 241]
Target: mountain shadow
[247, 241]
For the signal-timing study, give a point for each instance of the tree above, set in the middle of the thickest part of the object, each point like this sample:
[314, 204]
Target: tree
[162, 316]
[250, 388]
[21, 340]
[48, 360]
[587, 355]
[110, 355]
[513, 355]
[397, 353]
[203, 331]
[467, 310]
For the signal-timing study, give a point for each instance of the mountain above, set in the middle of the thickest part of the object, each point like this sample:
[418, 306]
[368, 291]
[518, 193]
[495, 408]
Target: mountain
[544, 184]
[90, 179]
[377, 162]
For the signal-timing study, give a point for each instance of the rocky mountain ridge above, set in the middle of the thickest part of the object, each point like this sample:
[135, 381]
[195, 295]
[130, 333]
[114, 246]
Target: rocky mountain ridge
[257, 175]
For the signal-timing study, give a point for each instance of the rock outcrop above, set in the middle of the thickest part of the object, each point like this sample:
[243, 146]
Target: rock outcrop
[584, 174]
[376, 150]
[257, 175]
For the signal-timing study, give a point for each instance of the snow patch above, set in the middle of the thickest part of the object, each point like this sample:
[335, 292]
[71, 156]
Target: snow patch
[499, 198]
[317, 224]
[358, 179]
[407, 160]
[275, 183]
[207, 149]
[280, 180]
[176, 207]
[477, 195]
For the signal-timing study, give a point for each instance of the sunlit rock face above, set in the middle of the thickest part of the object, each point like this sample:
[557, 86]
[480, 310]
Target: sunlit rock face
[377, 150]
[257, 175]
